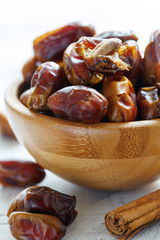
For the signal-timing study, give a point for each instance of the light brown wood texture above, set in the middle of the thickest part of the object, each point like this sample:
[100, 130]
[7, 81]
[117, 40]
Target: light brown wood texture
[106, 156]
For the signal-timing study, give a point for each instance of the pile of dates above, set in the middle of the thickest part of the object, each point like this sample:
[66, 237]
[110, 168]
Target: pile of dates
[79, 75]
[41, 213]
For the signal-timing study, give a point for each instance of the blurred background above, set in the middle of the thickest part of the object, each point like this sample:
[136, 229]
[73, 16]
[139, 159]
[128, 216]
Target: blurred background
[22, 21]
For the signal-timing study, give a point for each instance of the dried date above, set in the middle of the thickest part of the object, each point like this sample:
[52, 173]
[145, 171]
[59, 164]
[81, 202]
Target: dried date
[148, 102]
[46, 201]
[78, 103]
[24, 96]
[76, 70]
[20, 173]
[52, 44]
[48, 78]
[124, 36]
[121, 99]
[151, 62]
[35, 226]
[103, 55]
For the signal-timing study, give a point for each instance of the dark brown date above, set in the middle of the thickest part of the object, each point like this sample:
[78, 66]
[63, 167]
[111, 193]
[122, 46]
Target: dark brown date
[121, 99]
[103, 55]
[52, 44]
[134, 59]
[151, 62]
[20, 173]
[76, 70]
[32, 226]
[78, 103]
[47, 201]
[48, 78]
[148, 102]
[124, 36]
[29, 68]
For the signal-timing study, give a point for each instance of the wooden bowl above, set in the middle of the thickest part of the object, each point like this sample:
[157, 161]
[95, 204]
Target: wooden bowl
[106, 156]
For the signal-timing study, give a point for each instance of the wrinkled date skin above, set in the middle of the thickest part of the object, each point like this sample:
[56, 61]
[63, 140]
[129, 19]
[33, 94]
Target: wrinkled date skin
[52, 44]
[47, 201]
[30, 226]
[124, 36]
[29, 68]
[151, 62]
[107, 56]
[20, 173]
[76, 70]
[48, 78]
[78, 103]
[121, 99]
[133, 57]
[148, 102]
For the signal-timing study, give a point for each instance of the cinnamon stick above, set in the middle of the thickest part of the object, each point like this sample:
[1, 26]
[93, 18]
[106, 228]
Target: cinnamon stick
[128, 219]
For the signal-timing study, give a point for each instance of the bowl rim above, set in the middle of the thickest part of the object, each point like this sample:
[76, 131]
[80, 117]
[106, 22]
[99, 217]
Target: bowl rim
[11, 98]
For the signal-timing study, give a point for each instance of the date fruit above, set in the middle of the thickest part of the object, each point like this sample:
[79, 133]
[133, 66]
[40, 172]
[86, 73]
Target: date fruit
[121, 99]
[78, 103]
[52, 44]
[124, 36]
[20, 173]
[151, 61]
[103, 55]
[48, 78]
[148, 102]
[24, 96]
[46, 201]
[76, 70]
[35, 226]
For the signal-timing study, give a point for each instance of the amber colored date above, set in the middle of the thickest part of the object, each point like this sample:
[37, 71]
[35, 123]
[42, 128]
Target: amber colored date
[78, 103]
[148, 102]
[121, 99]
[35, 226]
[76, 70]
[151, 62]
[133, 57]
[124, 36]
[20, 173]
[29, 68]
[52, 44]
[47, 201]
[103, 55]
[48, 78]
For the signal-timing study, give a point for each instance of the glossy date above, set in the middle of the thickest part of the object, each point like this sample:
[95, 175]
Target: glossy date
[32, 226]
[148, 102]
[151, 63]
[20, 173]
[78, 103]
[121, 99]
[124, 36]
[76, 70]
[46, 201]
[48, 78]
[52, 44]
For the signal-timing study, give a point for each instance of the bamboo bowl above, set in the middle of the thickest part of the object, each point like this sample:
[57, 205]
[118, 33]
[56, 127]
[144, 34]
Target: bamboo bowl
[105, 156]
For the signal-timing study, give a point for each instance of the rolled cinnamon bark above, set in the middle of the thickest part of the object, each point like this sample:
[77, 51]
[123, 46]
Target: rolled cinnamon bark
[127, 220]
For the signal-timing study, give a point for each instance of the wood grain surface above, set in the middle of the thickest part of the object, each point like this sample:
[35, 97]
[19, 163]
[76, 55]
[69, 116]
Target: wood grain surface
[106, 156]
